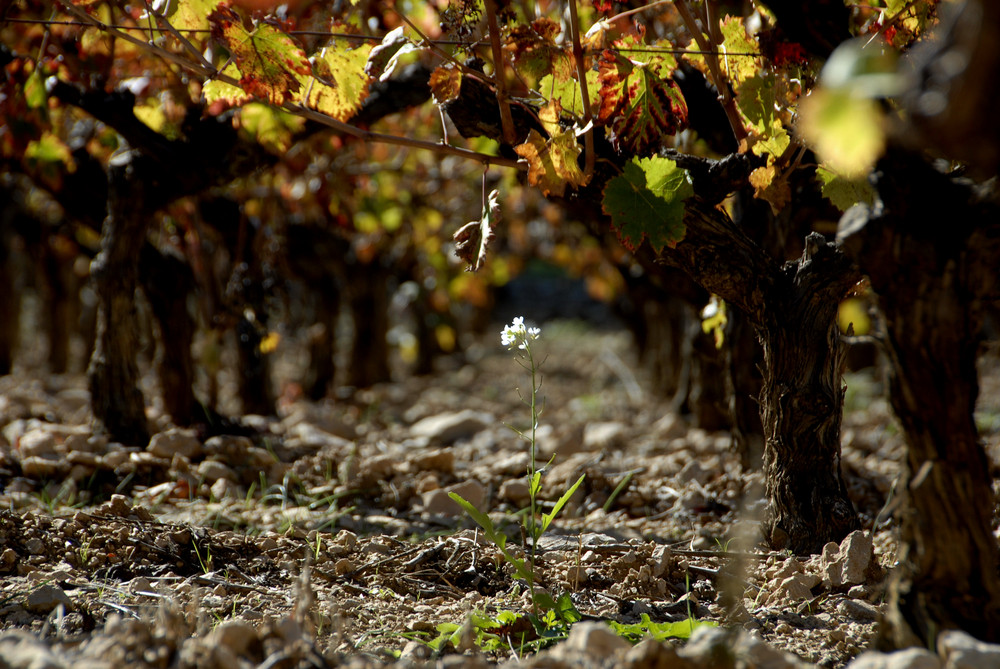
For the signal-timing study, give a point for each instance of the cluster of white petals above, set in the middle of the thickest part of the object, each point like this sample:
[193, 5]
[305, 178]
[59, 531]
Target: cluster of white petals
[516, 334]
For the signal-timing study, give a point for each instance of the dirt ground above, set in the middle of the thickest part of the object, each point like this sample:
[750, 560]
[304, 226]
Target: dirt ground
[325, 536]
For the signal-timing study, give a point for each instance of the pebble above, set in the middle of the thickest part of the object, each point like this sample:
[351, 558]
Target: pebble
[438, 501]
[45, 598]
[911, 658]
[174, 441]
[858, 610]
[38, 443]
[604, 436]
[962, 651]
[21, 650]
[449, 427]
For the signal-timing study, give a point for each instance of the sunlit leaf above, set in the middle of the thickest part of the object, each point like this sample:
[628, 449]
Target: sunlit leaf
[340, 84]
[535, 52]
[552, 164]
[269, 61]
[639, 106]
[846, 131]
[192, 14]
[771, 187]
[736, 42]
[224, 95]
[569, 93]
[34, 90]
[647, 202]
[844, 193]
[385, 52]
[445, 83]
[473, 239]
[756, 101]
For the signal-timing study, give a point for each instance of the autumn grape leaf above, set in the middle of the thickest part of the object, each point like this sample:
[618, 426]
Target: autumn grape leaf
[445, 83]
[771, 187]
[473, 239]
[844, 193]
[535, 51]
[339, 83]
[220, 95]
[638, 106]
[385, 52]
[552, 164]
[647, 201]
[757, 102]
[191, 15]
[735, 43]
[48, 158]
[268, 60]
[568, 92]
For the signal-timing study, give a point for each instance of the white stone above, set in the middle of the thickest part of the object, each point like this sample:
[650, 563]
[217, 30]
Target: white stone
[911, 658]
[594, 639]
[174, 441]
[601, 436]
[213, 470]
[38, 444]
[45, 598]
[961, 651]
[446, 428]
[438, 501]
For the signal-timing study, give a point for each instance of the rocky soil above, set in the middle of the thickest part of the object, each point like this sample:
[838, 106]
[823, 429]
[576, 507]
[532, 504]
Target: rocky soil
[325, 536]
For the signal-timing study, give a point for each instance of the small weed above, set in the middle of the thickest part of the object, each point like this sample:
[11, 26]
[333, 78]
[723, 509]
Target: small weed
[519, 336]
[206, 562]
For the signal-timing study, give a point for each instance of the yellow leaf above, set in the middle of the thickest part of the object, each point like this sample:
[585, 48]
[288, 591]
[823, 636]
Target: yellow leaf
[552, 164]
[846, 131]
[445, 82]
[340, 84]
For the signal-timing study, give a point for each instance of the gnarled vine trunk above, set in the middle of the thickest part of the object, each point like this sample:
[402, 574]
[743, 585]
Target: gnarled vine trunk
[931, 283]
[801, 401]
[116, 400]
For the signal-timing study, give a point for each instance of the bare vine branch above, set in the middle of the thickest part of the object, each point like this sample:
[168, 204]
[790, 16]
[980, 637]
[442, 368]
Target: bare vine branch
[581, 73]
[710, 50]
[506, 119]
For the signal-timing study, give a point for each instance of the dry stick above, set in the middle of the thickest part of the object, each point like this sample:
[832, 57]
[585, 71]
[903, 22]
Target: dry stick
[710, 51]
[581, 72]
[506, 119]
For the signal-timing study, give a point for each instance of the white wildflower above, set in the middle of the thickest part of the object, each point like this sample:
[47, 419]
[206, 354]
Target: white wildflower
[516, 334]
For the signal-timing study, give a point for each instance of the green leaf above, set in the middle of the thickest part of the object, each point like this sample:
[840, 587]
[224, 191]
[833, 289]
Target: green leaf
[547, 518]
[269, 61]
[192, 14]
[565, 609]
[647, 202]
[844, 193]
[681, 629]
[272, 128]
[498, 538]
[34, 90]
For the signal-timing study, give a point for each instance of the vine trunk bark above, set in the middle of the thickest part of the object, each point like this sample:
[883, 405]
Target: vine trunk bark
[931, 285]
[113, 375]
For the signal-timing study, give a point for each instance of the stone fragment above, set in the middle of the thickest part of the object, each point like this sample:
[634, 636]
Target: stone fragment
[515, 491]
[447, 428]
[38, 443]
[43, 468]
[593, 640]
[851, 563]
[719, 647]
[858, 610]
[959, 650]
[604, 436]
[911, 658]
[44, 599]
[213, 470]
[436, 460]
[174, 441]
[438, 501]
[223, 488]
[310, 436]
